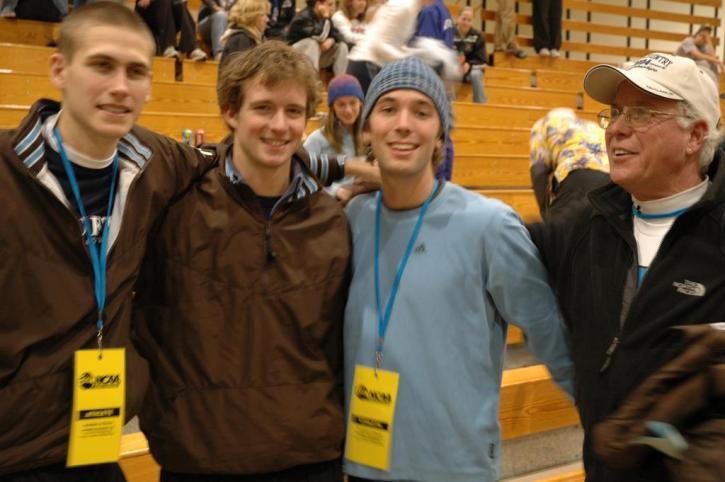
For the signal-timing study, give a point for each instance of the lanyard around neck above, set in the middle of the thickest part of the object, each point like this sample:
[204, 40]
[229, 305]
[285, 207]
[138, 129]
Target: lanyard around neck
[384, 317]
[672, 214]
[97, 253]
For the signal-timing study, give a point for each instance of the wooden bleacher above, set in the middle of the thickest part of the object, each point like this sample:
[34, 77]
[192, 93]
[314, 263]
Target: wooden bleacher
[574, 9]
[33, 59]
[27, 32]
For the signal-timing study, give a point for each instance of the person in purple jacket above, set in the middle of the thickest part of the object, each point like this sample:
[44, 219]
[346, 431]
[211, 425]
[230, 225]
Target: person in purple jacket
[434, 21]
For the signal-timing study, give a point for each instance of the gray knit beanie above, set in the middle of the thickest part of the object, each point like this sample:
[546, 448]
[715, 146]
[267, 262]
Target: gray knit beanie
[410, 73]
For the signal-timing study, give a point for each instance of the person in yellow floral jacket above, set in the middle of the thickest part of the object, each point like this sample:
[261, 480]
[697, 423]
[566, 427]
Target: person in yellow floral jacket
[568, 158]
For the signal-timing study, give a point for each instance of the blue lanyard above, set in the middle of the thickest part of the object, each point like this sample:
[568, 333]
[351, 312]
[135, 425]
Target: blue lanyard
[673, 214]
[384, 318]
[97, 253]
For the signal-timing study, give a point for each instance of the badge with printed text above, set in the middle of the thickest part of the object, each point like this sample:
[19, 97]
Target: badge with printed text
[370, 426]
[99, 390]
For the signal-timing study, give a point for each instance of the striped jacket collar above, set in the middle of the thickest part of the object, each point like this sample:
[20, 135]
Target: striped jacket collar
[303, 183]
[29, 143]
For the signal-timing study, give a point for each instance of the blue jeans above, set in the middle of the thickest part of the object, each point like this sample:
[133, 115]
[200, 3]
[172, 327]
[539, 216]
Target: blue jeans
[212, 28]
[475, 77]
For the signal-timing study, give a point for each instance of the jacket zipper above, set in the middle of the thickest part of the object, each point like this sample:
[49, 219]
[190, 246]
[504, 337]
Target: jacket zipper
[610, 353]
[271, 255]
[617, 340]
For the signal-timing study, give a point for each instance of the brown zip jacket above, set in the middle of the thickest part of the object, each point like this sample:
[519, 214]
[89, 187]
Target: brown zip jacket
[687, 393]
[49, 308]
[241, 320]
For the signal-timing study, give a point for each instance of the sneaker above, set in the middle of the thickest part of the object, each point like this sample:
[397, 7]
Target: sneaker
[520, 54]
[555, 53]
[7, 14]
[171, 53]
[544, 52]
[198, 55]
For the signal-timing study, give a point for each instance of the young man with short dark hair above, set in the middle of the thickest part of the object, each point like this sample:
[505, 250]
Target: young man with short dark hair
[243, 296]
[82, 186]
[438, 271]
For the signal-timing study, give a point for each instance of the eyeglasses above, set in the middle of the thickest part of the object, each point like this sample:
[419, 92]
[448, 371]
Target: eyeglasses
[636, 117]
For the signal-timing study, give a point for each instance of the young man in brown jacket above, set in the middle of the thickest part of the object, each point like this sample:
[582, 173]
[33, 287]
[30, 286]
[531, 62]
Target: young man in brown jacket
[124, 175]
[243, 295]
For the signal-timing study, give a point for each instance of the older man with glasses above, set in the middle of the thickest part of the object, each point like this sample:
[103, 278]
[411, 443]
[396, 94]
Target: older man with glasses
[644, 253]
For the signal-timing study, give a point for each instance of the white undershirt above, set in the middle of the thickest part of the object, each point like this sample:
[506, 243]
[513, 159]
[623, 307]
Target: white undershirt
[649, 233]
[74, 156]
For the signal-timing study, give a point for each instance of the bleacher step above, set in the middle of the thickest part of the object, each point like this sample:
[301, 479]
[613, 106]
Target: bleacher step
[524, 455]
[573, 472]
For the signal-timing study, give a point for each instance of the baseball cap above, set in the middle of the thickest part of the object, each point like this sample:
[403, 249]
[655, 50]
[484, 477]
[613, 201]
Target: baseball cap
[661, 75]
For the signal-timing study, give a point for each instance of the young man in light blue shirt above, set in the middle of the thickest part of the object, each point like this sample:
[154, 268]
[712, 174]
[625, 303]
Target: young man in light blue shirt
[437, 273]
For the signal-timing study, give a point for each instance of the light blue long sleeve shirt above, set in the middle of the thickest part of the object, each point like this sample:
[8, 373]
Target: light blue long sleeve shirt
[473, 266]
[319, 148]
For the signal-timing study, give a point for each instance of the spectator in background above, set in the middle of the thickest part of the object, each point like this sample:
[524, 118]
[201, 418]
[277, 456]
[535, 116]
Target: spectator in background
[434, 21]
[41, 10]
[568, 158]
[339, 136]
[212, 23]
[166, 18]
[372, 8]
[504, 33]
[350, 20]
[281, 14]
[546, 16]
[248, 20]
[699, 48]
[471, 47]
[386, 39]
[313, 33]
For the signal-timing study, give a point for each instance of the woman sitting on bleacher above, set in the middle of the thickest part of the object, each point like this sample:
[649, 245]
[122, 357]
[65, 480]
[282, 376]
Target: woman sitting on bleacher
[351, 21]
[166, 18]
[247, 21]
[212, 23]
[339, 137]
[471, 47]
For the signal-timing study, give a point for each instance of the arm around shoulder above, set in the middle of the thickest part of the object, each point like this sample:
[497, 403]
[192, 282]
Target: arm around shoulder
[518, 284]
[186, 164]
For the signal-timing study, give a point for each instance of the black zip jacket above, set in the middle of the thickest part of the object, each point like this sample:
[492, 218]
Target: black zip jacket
[590, 253]
[307, 24]
[472, 46]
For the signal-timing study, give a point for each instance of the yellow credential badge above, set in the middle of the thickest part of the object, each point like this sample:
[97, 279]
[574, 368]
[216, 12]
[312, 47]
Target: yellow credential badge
[372, 408]
[99, 390]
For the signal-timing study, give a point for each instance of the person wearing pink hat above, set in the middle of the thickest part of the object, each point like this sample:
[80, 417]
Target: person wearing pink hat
[644, 253]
